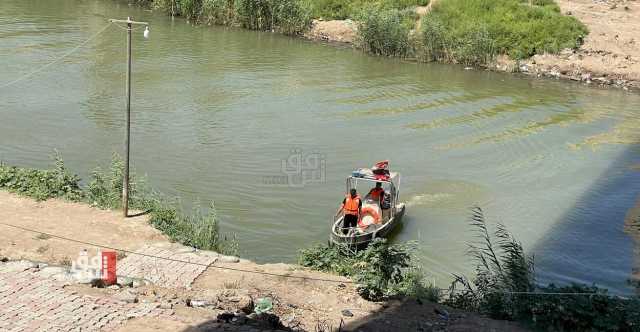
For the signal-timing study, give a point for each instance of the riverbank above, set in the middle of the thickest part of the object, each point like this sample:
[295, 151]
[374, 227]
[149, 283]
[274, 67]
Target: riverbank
[610, 54]
[299, 299]
[588, 41]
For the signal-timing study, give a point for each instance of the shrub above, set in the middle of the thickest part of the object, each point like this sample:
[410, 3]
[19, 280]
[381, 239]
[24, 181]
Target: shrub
[504, 288]
[41, 184]
[341, 9]
[385, 32]
[287, 16]
[381, 270]
[105, 188]
[199, 229]
[189, 8]
[473, 31]
[218, 12]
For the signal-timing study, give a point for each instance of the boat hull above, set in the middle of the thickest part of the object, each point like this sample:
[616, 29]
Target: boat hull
[360, 241]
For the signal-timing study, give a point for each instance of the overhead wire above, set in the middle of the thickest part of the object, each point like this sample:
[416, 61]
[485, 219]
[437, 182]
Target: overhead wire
[42, 68]
[171, 259]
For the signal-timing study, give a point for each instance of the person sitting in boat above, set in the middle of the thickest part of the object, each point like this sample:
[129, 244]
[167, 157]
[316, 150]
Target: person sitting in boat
[377, 193]
[351, 206]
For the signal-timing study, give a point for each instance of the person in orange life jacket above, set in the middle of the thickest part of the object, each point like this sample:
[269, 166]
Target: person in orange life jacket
[377, 193]
[351, 206]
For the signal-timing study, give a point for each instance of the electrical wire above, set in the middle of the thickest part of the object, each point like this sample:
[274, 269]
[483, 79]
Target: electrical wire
[172, 259]
[28, 75]
[282, 275]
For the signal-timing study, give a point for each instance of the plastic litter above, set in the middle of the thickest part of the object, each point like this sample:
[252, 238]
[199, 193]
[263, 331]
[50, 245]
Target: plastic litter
[263, 305]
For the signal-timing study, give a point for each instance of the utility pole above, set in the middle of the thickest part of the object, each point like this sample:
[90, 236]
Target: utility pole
[127, 142]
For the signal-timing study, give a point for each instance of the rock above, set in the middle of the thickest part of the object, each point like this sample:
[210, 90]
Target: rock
[228, 259]
[137, 283]
[185, 250]
[19, 266]
[240, 318]
[585, 77]
[127, 296]
[198, 303]
[49, 271]
[347, 313]
[113, 287]
[125, 281]
[225, 317]
[66, 277]
[442, 313]
[166, 305]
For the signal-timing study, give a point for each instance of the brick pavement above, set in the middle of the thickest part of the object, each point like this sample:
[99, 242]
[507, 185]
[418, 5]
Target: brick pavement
[163, 272]
[33, 302]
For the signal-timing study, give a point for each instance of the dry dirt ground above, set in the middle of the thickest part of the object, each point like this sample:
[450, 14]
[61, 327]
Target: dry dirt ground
[610, 53]
[73, 220]
[300, 303]
[337, 31]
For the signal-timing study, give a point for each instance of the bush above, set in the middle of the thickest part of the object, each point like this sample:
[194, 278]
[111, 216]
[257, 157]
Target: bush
[287, 16]
[218, 12]
[386, 32]
[381, 270]
[41, 184]
[342, 9]
[105, 188]
[504, 288]
[198, 229]
[473, 31]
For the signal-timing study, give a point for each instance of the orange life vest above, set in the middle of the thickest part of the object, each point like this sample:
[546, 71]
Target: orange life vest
[376, 193]
[351, 205]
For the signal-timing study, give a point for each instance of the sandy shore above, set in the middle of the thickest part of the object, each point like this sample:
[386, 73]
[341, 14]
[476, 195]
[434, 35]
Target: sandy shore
[610, 54]
[302, 304]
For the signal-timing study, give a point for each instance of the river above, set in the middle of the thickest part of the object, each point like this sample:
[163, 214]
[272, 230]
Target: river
[217, 111]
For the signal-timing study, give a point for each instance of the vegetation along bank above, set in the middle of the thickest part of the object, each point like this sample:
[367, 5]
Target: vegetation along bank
[583, 40]
[503, 288]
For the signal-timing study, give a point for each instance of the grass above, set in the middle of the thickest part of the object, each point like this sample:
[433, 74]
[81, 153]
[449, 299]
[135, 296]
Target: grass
[285, 16]
[41, 184]
[474, 31]
[381, 270]
[197, 228]
[504, 288]
[386, 32]
[344, 9]
[470, 32]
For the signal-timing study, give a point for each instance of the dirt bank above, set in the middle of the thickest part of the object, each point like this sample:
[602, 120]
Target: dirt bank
[610, 54]
[73, 220]
[300, 303]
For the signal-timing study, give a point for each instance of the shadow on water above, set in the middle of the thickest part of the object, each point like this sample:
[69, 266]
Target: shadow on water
[598, 215]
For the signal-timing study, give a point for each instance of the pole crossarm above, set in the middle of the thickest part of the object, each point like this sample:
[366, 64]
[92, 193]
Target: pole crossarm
[127, 21]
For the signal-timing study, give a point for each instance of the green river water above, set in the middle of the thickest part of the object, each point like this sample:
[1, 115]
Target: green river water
[217, 111]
